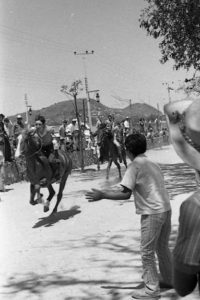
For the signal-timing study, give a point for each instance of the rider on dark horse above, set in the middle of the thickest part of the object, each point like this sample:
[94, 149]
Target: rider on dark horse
[45, 134]
[115, 131]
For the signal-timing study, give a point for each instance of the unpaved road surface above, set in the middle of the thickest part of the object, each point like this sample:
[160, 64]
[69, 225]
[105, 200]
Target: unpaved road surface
[87, 251]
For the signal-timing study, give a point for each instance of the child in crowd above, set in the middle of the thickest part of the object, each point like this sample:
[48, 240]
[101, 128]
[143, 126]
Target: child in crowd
[144, 178]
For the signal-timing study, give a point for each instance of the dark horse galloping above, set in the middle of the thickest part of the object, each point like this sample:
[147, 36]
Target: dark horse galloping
[108, 149]
[39, 170]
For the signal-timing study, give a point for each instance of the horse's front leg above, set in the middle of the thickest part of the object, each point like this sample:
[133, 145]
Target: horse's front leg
[32, 195]
[48, 200]
[124, 159]
[119, 168]
[60, 192]
[98, 164]
[108, 168]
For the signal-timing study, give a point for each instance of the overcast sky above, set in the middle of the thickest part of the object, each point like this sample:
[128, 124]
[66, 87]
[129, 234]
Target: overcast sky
[38, 39]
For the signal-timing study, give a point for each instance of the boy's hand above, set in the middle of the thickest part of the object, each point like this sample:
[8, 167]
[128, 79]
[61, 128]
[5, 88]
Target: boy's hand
[94, 195]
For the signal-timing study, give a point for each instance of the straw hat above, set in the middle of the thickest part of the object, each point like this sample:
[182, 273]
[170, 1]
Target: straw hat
[184, 124]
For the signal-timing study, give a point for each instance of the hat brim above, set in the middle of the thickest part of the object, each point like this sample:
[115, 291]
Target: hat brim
[184, 149]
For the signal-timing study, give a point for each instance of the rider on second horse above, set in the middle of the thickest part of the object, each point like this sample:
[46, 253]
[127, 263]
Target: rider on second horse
[114, 130]
[45, 134]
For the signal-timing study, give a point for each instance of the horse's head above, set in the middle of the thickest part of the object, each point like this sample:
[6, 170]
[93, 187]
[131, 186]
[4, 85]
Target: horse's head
[104, 135]
[100, 134]
[28, 143]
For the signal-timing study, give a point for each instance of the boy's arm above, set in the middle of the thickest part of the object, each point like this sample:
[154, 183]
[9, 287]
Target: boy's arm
[121, 194]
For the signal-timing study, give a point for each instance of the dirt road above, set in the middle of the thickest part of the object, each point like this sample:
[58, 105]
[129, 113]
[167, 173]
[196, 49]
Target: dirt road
[87, 251]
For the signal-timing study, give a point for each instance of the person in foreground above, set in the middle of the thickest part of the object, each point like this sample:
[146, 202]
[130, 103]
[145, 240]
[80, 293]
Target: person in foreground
[144, 178]
[184, 124]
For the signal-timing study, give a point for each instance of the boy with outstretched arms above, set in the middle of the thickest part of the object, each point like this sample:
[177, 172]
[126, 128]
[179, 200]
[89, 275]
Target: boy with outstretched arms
[144, 179]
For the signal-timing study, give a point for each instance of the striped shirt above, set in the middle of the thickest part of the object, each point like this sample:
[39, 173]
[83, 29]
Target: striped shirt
[187, 248]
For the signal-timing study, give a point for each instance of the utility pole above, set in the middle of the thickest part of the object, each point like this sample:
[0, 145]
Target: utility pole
[26, 104]
[168, 89]
[84, 54]
[28, 110]
[73, 91]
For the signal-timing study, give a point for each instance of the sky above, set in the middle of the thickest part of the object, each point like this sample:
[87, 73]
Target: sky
[37, 43]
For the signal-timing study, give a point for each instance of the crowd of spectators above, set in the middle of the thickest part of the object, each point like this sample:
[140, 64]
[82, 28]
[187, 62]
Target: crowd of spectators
[68, 135]
[9, 133]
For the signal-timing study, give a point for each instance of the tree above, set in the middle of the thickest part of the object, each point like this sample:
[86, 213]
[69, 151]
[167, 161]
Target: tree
[191, 86]
[73, 91]
[176, 23]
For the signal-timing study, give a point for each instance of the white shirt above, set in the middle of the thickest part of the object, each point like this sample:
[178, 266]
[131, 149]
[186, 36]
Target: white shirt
[71, 127]
[145, 179]
[126, 124]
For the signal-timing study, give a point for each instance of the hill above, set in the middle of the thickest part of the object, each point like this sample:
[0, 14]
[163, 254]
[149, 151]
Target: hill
[55, 113]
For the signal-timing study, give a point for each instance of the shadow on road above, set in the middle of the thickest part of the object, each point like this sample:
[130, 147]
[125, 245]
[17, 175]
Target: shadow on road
[61, 215]
[179, 179]
[102, 285]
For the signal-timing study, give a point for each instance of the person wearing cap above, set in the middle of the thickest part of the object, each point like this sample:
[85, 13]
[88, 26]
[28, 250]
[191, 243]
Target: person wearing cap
[126, 126]
[18, 127]
[62, 129]
[72, 126]
[184, 126]
[73, 129]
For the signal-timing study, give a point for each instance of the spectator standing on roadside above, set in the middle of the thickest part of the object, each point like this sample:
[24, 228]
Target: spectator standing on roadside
[63, 134]
[62, 129]
[72, 126]
[17, 129]
[141, 125]
[5, 144]
[8, 128]
[99, 121]
[127, 126]
[74, 131]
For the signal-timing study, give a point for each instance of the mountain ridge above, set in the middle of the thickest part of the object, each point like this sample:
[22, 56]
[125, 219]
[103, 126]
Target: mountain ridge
[58, 111]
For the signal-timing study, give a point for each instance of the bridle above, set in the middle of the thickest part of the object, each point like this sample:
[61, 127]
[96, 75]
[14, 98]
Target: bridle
[37, 151]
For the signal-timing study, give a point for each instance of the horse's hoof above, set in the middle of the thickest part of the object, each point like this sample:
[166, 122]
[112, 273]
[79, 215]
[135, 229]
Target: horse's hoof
[46, 208]
[32, 202]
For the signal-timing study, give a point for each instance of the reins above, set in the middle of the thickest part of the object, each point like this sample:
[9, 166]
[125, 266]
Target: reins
[34, 153]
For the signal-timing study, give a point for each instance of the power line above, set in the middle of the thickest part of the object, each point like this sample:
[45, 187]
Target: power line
[24, 37]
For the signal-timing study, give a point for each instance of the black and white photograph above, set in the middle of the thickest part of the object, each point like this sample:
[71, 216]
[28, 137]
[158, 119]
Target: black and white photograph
[99, 149]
